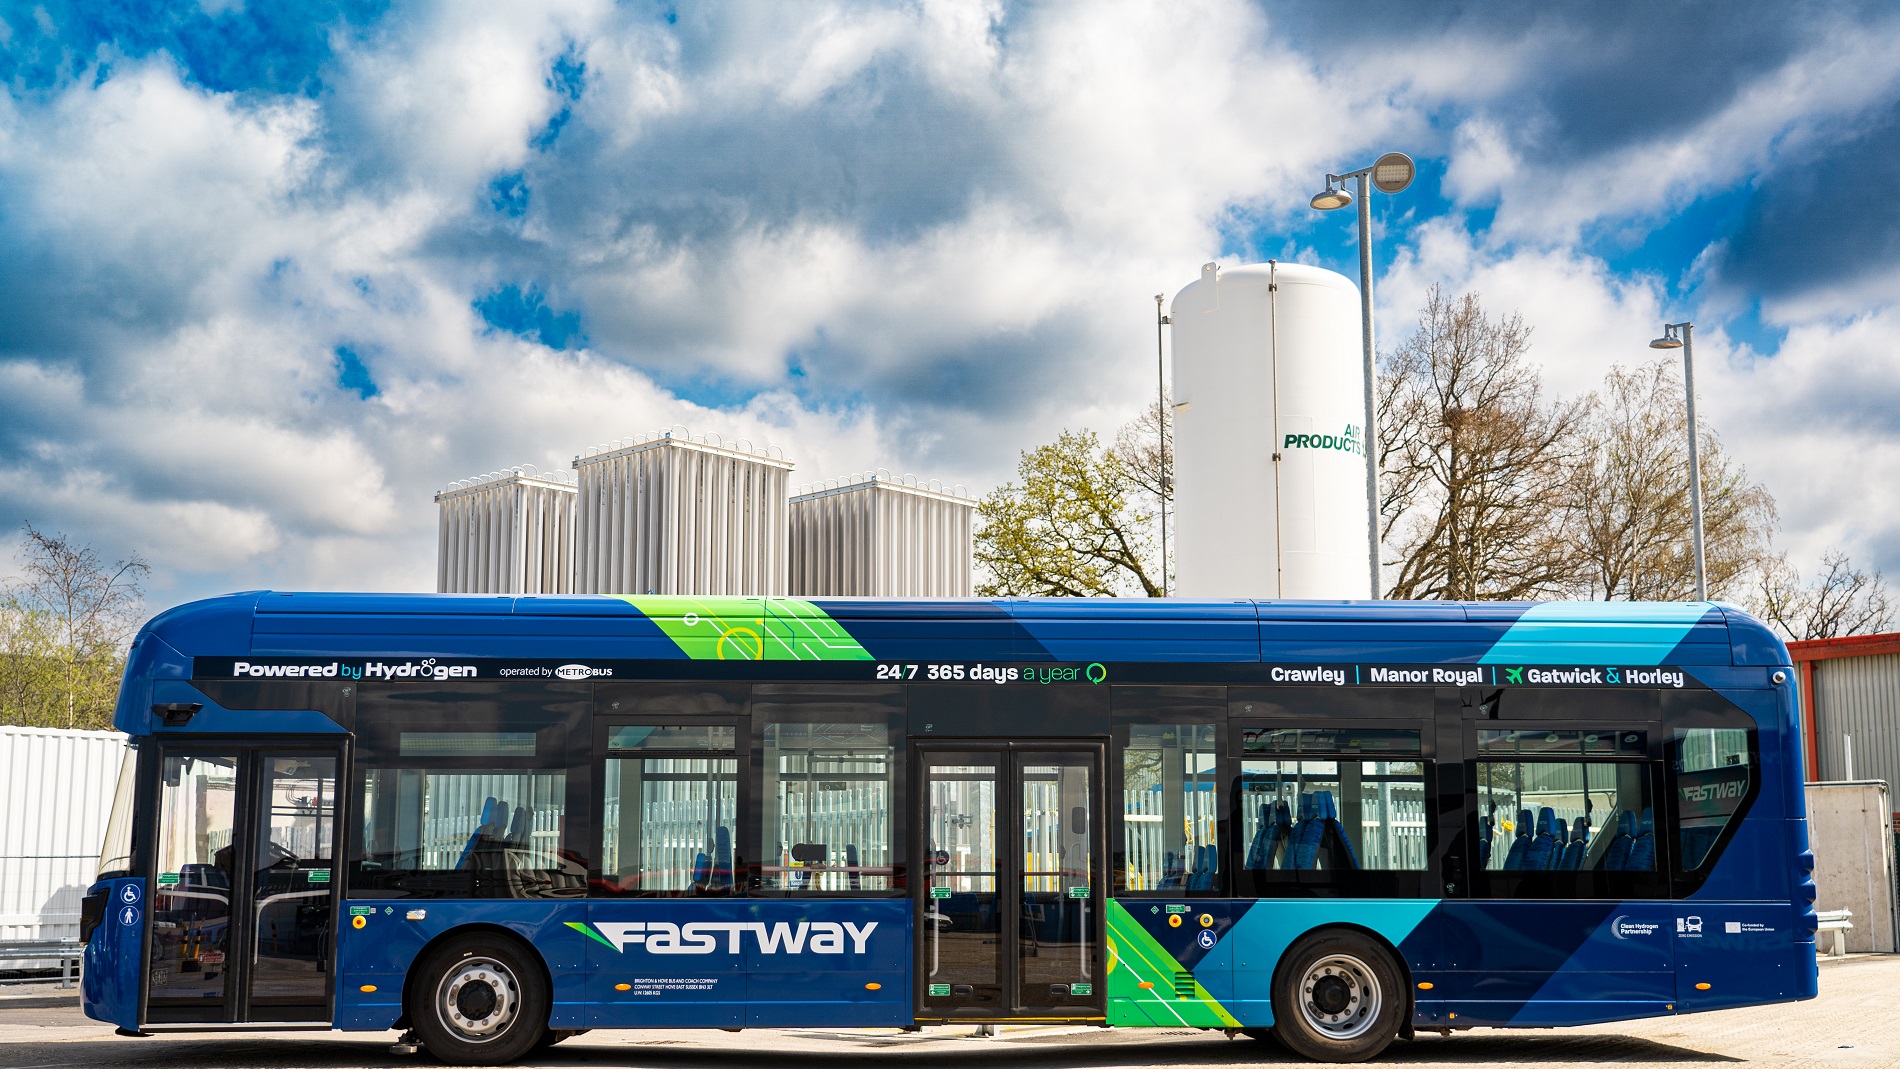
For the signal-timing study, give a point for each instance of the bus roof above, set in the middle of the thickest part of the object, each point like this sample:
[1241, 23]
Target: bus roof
[273, 623]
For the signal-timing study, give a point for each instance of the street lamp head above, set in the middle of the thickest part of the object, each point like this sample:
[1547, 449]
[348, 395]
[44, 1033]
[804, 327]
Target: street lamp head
[1670, 339]
[1392, 172]
[1335, 196]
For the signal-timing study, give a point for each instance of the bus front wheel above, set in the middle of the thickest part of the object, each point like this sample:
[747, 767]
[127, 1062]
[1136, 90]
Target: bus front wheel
[1337, 997]
[479, 999]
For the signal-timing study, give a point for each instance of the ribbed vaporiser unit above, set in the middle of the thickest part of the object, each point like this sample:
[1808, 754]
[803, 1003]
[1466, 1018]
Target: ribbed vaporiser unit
[874, 536]
[507, 532]
[677, 514]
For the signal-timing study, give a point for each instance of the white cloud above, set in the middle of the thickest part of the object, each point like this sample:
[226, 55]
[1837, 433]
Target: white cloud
[912, 236]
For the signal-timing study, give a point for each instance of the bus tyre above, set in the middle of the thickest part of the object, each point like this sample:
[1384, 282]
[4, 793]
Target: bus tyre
[479, 999]
[1337, 997]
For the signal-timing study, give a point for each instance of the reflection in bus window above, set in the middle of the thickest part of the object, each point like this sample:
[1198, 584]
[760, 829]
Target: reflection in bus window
[1170, 808]
[1713, 775]
[827, 806]
[489, 833]
[1560, 801]
[1319, 815]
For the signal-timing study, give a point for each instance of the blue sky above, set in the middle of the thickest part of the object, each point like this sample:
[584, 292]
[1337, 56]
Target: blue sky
[274, 274]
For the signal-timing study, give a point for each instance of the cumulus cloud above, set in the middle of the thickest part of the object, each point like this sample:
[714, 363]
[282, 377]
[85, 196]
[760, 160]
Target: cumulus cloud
[252, 314]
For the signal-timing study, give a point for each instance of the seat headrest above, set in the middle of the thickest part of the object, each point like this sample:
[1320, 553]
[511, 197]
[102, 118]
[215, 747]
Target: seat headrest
[1524, 826]
[1306, 807]
[1580, 828]
[1323, 806]
[1626, 822]
[1282, 813]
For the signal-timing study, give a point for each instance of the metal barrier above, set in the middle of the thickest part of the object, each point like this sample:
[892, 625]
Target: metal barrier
[66, 953]
[1836, 921]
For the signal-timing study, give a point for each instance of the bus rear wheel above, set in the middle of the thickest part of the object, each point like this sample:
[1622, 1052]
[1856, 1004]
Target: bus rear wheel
[1337, 997]
[479, 999]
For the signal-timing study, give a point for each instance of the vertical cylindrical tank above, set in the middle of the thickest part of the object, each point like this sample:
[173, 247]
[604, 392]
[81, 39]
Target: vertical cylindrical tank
[1269, 435]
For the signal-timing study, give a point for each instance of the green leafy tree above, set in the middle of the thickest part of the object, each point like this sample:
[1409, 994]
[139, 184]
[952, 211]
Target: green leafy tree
[65, 623]
[1073, 524]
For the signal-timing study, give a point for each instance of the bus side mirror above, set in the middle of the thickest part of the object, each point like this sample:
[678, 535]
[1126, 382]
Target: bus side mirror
[177, 714]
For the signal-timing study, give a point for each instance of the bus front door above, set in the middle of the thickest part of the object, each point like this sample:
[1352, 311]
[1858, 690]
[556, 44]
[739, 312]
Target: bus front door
[1010, 904]
[242, 890]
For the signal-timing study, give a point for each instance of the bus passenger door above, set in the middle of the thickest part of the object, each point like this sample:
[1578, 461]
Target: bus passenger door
[242, 896]
[1010, 906]
[291, 896]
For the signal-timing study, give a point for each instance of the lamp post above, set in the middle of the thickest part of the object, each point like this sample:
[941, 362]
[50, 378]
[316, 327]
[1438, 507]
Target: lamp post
[1390, 173]
[1682, 336]
[1162, 416]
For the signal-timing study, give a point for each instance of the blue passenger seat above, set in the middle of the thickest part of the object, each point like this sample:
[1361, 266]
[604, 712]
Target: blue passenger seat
[1202, 876]
[518, 829]
[1339, 851]
[720, 879]
[482, 822]
[1172, 875]
[1537, 853]
[1579, 845]
[1302, 846]
[1616, 858]
[1642, 857]
[1276, 824]
[1520, 844]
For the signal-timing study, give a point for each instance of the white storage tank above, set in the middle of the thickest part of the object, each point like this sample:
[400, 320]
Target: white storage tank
[507, 532]
[1269, 451]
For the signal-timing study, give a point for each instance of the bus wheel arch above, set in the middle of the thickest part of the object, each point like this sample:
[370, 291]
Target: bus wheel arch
[1341, 993]
[478, 994]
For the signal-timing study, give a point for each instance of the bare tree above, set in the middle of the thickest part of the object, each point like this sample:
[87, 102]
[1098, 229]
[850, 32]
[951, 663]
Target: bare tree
[1844, 600]
[1477, 461]
[1631, 495]
[73, 613]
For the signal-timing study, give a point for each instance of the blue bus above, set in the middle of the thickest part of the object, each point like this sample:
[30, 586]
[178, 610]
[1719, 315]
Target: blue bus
[497, 822]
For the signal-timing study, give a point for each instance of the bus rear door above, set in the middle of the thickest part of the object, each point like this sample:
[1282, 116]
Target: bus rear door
[1010, 904]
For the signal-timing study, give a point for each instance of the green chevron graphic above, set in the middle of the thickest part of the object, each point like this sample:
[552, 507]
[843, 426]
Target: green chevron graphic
[750, 629]
[1136, 959]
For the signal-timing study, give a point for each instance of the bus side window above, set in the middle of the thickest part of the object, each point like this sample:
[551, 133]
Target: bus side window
[828, 787]
[1331, 800]
[462, 790]
[1713, 772]
[1566, 813]
[669, 813]
[1171, 808]
[1167, 763]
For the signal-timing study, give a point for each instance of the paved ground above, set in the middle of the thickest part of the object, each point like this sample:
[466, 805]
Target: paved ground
[1855, 1022]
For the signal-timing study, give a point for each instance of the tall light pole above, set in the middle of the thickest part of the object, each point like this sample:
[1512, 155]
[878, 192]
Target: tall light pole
[1682, 336]
[1161, 428]
[1390, 173]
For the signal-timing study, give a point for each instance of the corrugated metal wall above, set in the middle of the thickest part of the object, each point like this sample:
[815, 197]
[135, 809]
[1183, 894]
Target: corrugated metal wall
[872, 536]
[509, 532]
[55, 795]
[1858, 696]
[672, 514]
